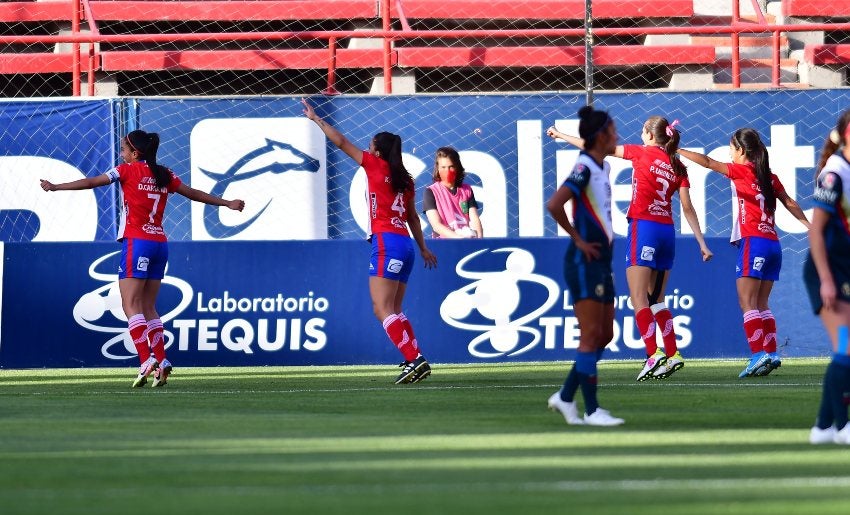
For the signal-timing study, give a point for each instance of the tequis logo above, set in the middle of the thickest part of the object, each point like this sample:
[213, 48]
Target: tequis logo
[496, 296]
[91, 310]
[273, 157]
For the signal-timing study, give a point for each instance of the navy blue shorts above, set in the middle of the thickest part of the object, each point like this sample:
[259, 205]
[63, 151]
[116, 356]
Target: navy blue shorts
[143, 259]
[840, 269]
[593, 280]
[650, 244]
[392, 256]
[759, 258]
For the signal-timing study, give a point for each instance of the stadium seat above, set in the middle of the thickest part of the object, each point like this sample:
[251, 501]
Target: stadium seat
[233, 10]
[826, 8]
[827, 54]
[239, 59]
[542, 9]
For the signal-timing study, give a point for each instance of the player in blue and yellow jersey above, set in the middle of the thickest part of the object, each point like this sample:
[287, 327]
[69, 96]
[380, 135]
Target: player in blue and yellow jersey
[392, 210]
[587, 263]
[827, 277]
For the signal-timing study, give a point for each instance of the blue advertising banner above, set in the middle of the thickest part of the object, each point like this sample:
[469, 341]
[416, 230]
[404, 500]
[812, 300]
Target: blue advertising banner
[299, 303]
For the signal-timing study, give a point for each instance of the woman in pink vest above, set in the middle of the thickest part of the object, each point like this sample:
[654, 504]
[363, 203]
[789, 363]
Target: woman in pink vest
[450, 204]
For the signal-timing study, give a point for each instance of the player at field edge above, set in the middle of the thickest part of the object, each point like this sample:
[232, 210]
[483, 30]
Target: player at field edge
[759, 262]
[651, 241]
[392, 209]
[145, 186]
[587, 264]
[826, 274]
[448, 203]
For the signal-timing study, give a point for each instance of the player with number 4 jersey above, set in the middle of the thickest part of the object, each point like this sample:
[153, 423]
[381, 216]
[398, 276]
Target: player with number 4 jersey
[390, 196]
[759, 252]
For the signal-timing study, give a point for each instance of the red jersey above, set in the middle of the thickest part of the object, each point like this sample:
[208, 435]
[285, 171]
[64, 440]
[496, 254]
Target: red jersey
[387, 211]
[143, 202]
[653, 184]
[748, 203]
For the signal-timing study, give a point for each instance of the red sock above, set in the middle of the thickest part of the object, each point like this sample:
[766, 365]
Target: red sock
[646, 326]
[754, 329]
[409, 328]
[157, 339]
[769, 330]
[664, 319]
[138, 333]
[400, 337]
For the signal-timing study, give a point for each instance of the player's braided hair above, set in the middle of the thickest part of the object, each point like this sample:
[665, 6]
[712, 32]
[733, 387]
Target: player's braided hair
[147, 144]
[756, 153]
[388, 145]
[837, 137]
[668, 138]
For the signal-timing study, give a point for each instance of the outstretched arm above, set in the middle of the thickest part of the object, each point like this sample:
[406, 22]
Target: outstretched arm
[576, 141]
[693, 221]
[705, 161]
[794, 208]
[81, 184]
[202, 196]
[336, 137]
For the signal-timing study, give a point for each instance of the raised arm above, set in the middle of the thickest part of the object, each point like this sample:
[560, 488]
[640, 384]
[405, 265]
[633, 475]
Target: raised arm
[202, 196]
[80, 184]
[693, 221]
[705, 161]
[336, 137]
[794, 208]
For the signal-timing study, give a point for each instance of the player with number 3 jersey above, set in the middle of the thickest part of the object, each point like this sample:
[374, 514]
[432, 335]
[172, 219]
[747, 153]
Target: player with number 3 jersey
[759, 251]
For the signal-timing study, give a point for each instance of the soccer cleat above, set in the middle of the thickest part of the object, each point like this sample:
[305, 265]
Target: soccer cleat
[160, 375]
[819, 436]
[670, 365]
[842, 437]
[146, 369]
[602, 417]
[758, 362]
[411, 368]
[567, 409]
[421, 374]
[651, 364]
[775, 360]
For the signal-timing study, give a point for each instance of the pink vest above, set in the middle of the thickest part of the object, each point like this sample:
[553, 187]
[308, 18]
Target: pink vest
[448, 205]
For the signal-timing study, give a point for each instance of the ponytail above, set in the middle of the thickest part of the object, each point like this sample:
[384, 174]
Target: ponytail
[836, 138]
[147, 144]
[388, 146]
[668, 137]
[756, 153]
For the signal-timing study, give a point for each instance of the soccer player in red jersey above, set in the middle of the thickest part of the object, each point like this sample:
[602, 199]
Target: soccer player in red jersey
[651, 241]
[827, 278]
[145, 186]
[754, 232]
[392, 210]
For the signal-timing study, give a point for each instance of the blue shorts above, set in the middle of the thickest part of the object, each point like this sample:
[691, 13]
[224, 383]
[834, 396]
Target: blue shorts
[759, 258]
[589, 280]
[143, 259]
[392, 256]
[650, 244]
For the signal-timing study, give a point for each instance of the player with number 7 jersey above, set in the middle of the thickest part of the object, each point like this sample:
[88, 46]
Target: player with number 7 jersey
[145, 186]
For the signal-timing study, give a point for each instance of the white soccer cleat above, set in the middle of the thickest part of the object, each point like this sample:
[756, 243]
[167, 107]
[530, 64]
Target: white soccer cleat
[602, 417]
[567, 409]
[842, 437]
[820, 436]
[651, 364]
[145, 369]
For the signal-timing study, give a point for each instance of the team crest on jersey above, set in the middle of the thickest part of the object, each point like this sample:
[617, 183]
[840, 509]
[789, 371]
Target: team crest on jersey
[758, 263]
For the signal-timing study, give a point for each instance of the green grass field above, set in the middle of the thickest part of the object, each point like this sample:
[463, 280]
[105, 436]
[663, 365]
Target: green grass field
[471, 439]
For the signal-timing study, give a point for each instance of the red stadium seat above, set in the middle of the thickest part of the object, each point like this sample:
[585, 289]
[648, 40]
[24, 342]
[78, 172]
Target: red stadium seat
[542, 9]
[239, 59]
[235, 10]
[827, 8]
[827, 54]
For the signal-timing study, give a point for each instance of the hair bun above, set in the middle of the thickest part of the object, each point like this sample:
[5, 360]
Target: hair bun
[585, 112]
